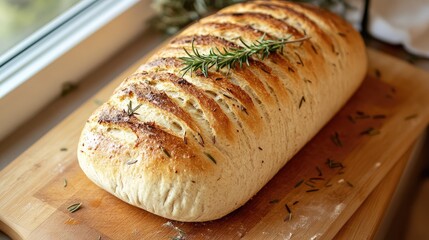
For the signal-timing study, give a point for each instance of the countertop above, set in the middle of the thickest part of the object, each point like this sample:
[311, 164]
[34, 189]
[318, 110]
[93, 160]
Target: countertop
[27, 134]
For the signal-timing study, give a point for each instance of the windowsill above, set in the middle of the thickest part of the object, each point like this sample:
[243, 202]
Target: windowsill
[29, 132]
[36, 77]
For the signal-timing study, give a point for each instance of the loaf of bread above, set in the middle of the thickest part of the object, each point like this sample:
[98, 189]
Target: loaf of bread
[191, 147]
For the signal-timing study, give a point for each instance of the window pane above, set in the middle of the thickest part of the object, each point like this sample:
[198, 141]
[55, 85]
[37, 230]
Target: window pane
[21, 18]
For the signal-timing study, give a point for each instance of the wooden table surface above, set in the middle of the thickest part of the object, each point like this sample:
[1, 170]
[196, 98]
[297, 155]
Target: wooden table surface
[19, 218]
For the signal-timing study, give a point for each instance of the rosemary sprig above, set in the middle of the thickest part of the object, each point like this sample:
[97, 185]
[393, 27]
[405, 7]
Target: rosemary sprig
[230, 57]
[132, 111]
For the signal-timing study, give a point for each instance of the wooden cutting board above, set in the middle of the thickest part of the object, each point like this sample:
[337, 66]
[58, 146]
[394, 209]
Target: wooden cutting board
[393, 101]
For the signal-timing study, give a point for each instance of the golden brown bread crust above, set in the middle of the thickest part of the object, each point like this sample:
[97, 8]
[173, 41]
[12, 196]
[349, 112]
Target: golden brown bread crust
[199, 147]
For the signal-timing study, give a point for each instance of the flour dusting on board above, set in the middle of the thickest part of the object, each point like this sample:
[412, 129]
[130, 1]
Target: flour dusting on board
[315, 236]
[59, 168]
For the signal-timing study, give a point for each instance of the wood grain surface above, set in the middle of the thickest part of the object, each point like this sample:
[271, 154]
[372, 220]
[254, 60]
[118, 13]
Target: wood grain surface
[393, 100]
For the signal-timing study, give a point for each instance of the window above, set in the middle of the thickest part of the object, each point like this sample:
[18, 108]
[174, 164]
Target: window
[60, 42]
[20, 19]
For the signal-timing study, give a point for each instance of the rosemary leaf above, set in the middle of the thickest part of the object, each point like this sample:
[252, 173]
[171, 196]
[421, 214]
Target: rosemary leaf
[65, 183]
[165, 152]
[131, 162]
[74, 207]
[313, 190]
[370, 132]
[317, 179]
[351, 119]
[211, 157]
[287, 208]
[289, 216]
[301, 102]
[299, 183]
[336, 139]
[332, 164]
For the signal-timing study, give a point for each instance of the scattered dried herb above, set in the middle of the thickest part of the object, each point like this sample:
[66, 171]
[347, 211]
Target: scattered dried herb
[377, 73]
[165, 152]
[351, 119]
[65, 183]
[67, 88]
[307, 80]
[289, 216]
[314, 49]
[310, 185]
[200, 140]
[300, 60]
[63, 149]
[412, 116]
[260, 148]
[313, 190]
[274, 201]
[301, 102]
[350, 184]
[130, 162]
[364, 116]
[336, 139]
[299, 183]
[74, 207]
[211, 157]
[370, 132]
[342, 34]
[295, 203]
[242, 108]
[333, 164]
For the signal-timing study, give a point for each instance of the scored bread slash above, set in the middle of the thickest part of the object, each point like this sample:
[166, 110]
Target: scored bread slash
[222, 107]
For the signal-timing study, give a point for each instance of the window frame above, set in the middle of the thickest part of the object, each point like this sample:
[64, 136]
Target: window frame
[34, 78]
